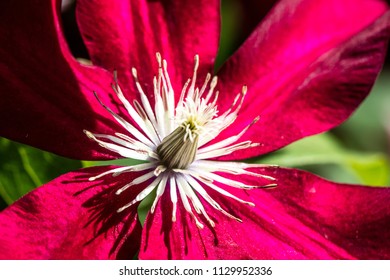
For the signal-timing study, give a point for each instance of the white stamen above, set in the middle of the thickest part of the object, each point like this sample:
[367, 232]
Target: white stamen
[228, 141]
[174, 142]
[145, 125]
[144, 99]
[142, 194]
[121, 170]
[173, 194]
[160, 191]
[136, 181]
[125, 152]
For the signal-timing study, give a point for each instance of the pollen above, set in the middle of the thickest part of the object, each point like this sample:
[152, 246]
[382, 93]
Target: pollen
[172, 138]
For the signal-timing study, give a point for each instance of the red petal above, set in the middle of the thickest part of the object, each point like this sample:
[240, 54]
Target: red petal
[307, 67]
[46, 95]
[164, 239]
[353, 217]
[71, 218]
[305, 217]
[124, 34]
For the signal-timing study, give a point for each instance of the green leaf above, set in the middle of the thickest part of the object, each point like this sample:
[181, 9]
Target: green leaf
[145, 206]
[120, 162]
[372, 170]
[366, 127]
[230, 30]
[24, 168]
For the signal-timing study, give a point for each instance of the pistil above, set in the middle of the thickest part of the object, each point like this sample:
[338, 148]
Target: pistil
[178, 149]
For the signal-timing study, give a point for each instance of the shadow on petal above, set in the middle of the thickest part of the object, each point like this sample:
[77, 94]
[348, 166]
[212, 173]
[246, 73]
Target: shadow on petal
[103, 216]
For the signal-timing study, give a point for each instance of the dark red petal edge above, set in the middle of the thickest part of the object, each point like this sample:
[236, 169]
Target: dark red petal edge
[46, 95]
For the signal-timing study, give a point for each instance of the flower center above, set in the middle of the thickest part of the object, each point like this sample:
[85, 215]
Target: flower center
[178, 149]
[173, 141]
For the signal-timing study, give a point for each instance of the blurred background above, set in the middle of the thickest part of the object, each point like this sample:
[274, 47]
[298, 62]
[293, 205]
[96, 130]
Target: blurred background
[356, 152]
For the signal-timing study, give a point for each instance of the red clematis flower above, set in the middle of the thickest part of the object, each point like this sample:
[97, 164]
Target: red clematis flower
[304, 69]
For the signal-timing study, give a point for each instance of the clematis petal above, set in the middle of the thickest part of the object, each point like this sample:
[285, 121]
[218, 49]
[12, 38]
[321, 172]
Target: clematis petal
[46, 95]
[353, 217]
[309, 77]
[124, 34]
[305, 217]
[164, 239]
[71, 218]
